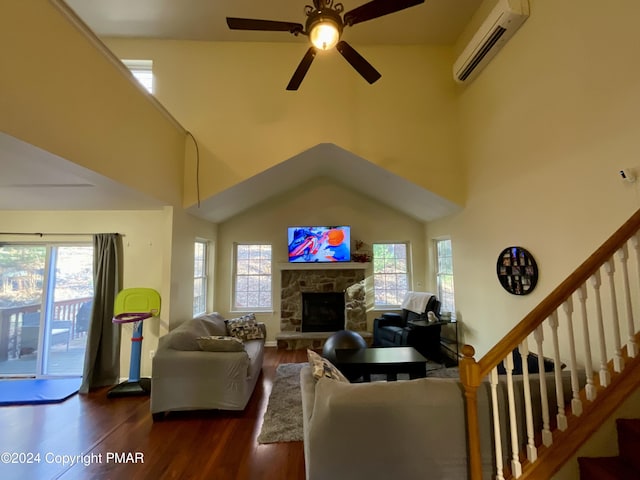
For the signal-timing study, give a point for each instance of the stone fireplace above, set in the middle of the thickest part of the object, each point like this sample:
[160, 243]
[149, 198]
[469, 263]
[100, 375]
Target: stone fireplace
[346, 281]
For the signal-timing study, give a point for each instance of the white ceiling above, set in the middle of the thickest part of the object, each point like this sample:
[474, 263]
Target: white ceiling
[32, 179]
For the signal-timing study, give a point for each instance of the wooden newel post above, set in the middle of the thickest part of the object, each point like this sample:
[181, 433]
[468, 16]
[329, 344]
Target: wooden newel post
[470, 377]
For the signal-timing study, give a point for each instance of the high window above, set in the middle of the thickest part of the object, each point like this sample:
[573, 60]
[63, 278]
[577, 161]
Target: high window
[252, 286]
[444, 275]
[143, 71]
[46, 294]
[200, 257]
[390, 273]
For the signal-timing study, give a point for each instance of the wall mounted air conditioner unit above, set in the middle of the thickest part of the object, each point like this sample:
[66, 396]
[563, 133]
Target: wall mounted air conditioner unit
[499, 26]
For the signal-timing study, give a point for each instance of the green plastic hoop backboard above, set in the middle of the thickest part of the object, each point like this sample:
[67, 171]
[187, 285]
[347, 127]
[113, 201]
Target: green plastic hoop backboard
[137, 300]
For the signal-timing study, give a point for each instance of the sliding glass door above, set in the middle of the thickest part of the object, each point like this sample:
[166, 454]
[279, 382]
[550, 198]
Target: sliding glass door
[46, 293]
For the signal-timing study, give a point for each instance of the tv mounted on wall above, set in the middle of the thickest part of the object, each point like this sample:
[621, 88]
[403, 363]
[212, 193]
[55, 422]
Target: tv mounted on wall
[319, 244]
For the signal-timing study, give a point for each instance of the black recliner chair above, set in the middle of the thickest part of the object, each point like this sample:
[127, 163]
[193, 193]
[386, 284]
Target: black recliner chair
[396, 330]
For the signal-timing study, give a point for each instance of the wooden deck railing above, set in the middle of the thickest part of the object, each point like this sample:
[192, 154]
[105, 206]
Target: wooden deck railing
[11, 323]
[601, 291]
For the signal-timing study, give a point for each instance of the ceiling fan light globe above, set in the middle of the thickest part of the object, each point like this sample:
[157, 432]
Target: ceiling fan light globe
[324, 35]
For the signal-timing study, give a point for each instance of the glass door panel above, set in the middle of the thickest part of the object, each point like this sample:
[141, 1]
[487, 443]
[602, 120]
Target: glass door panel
[68, 309]
[46, 292]
[21, 289]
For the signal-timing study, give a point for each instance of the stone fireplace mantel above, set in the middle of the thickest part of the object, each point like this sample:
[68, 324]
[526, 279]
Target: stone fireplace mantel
[323, 266]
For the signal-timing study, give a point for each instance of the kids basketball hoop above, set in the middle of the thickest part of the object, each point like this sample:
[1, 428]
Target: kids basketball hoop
[133, 306]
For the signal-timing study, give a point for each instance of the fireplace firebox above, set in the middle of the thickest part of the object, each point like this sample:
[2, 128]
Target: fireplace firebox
[322, 311]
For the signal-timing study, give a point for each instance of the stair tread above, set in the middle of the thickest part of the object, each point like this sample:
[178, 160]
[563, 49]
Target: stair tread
[606, 468]
[629, 440]
[631, 425]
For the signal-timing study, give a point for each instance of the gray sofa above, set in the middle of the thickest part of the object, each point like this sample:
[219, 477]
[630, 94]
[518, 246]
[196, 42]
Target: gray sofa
[411, 429]
[184, 377]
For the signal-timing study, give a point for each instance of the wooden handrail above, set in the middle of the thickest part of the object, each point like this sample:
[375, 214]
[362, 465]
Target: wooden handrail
[472, 372]
[563, 291]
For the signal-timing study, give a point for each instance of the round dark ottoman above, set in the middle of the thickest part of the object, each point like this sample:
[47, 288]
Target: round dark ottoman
[342, 339]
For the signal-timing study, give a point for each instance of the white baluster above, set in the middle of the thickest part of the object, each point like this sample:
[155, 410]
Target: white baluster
[496, 424]
[618, 361]
[547, 438]
[605, 376]
[576, 403]
[516, 467]
[590, 388]
[532, 452]
[632, 348]
[561, 416]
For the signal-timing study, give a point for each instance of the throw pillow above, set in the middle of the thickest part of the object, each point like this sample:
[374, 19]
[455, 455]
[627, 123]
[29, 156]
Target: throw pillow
[214, 323]
[322, 367]
[185, 336]
[218, 343]
[245, 327]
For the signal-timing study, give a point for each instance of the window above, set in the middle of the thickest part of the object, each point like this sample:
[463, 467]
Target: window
[143, 71]
[390, 273]
[252, 289]
[46, 293]
[444, 275]
[200, 278]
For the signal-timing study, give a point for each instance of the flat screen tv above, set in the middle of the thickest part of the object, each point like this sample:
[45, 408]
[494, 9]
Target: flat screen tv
[319, 244]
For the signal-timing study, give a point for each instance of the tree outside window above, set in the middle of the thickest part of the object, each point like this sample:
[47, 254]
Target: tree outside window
[252, 289]
[390, 273]
[200, 278]
[444, 275]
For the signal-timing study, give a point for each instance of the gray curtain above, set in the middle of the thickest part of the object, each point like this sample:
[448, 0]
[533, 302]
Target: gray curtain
[102, 358]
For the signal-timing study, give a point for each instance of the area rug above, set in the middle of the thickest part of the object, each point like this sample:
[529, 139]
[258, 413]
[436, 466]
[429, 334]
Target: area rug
[37, 390]
[283, 418]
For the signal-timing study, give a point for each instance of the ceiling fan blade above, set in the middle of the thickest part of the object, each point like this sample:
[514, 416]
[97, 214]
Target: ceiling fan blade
[302, 69]
[358, 62]
[377, 8]
[264, 25]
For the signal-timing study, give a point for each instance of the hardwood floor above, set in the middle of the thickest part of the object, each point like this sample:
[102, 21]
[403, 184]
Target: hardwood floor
[92, 429]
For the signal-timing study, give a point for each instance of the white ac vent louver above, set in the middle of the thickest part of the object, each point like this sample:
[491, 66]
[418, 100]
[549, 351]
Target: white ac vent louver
[499, 26]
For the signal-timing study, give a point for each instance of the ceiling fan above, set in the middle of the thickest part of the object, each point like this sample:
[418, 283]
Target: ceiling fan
[324, 27]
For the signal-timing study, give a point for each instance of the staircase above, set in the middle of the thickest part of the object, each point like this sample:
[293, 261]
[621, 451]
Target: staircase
[587, 323]
[624, 466]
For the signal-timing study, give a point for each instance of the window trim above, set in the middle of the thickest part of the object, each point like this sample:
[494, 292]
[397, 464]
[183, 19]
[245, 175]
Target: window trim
[408, 273]
[205, 276]
[437, 275]
[139, 67]
[234, 276]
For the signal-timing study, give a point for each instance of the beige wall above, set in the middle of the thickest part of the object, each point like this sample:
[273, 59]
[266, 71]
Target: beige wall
[544, 129]
[149, 253]
[232, 97]
[186, 229]
[318, 202]
[70, 98]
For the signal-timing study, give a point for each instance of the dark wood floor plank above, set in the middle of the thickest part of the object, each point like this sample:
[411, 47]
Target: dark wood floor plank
[186, 445]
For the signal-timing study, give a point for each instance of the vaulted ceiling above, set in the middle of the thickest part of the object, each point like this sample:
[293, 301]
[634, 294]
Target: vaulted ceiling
[34, 179]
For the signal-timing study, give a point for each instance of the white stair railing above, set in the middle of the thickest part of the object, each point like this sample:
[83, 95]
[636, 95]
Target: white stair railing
[527, 416]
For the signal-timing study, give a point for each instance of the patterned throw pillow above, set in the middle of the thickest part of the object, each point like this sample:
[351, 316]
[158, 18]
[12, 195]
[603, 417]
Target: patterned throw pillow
[245, 327]
[219, 343]
[322, 367]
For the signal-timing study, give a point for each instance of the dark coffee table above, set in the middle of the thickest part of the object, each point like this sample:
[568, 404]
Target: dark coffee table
[385, 360]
